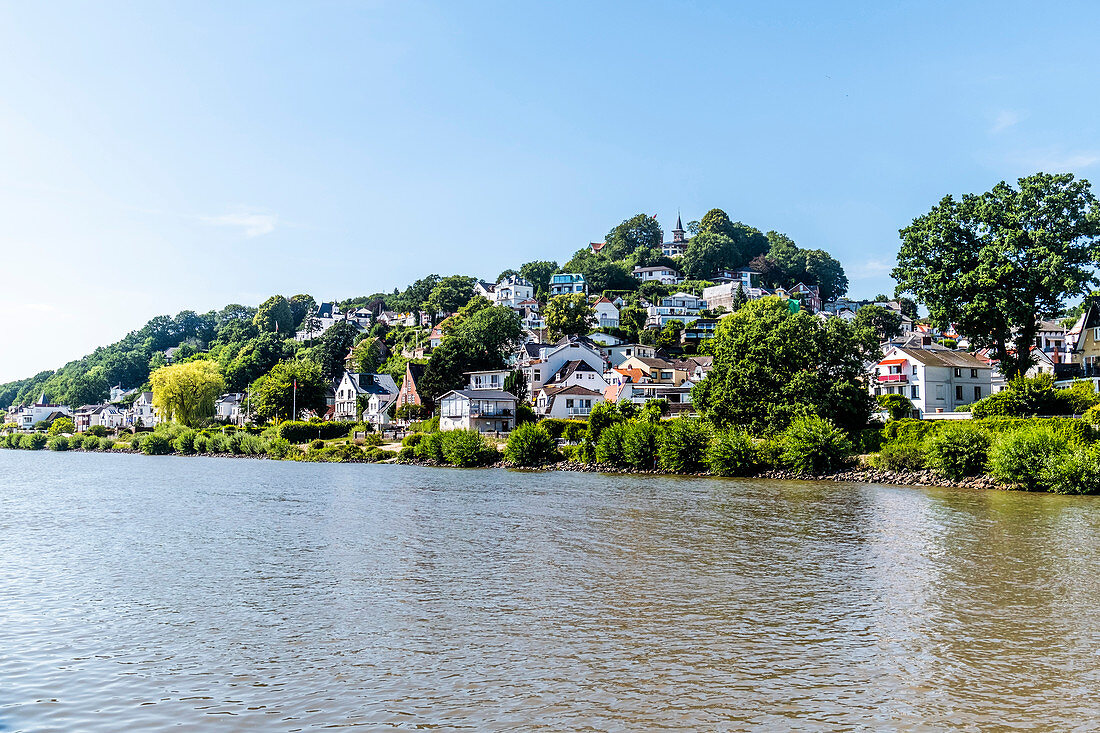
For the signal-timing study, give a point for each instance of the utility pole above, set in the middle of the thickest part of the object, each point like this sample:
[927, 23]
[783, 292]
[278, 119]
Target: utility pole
[294, 415]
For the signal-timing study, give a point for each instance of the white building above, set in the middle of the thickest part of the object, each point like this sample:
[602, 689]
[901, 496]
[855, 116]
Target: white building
[934, 378]
[142, 413]
[619, 353]
[567, 283]
[107, 415]
[679, 243]
[722, 296]
[484, 408]
[552, 357]
[228, 408]
[567, 401]
[380, 392]
[683, 307]
[657, 273]
[27, 417]
[511, 291]
[605, 314]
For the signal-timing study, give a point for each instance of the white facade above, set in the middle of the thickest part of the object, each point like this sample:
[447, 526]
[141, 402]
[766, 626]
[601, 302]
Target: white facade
[142, 411]
[480, 407]
[934, 379]
[619, 353]
[227, 408]
[551, 359]
[683, 307]
[605, 314]
[567, 402]
[382, 391]
[659, 273]
[512, 290]
[567, 283]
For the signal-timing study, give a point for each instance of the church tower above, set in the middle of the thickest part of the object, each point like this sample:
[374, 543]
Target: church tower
[678, 233]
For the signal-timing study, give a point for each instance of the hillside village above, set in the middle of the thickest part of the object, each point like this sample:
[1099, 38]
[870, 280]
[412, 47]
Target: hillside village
[582, 338]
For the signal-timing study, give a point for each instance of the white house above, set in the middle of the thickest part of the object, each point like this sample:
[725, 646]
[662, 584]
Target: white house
[108, 415]
[118, 393]
[722, 296]
[483, 408]
[934, 378]
[26, 417]
[142, 413]
[677, 396]
[577, 373]
[512, 290]
[551, 358]
[380, 391]
[683, 307]
[619, 353]
[227, 408]
[567, 401]
[605, 314]
[567, 283]
[657, 273]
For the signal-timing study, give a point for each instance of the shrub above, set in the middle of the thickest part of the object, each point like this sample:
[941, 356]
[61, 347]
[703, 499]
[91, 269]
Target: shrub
[870, 440]
[1074, 472]
[201, 443]
[217, 443]
[814, 445]
[901, 455]
[89, 442]
[376, 454]
[896, 406]
[530, 445]
[959, 450]
[298, 431]
[33, 441]
[641, 442]
[156, 444]
[136, 438]
[732, 453]
[426, 426]
[1024, 457]
[229, 429]
[465, 448]
[372, 439]
[610, 447]
[57, 442]
[909, 429]
[336, 453]
[431, 448]
[317, 444]
[99, 431]
[234, 441]
[406, 454]
[252, 445]
[684, 446]
[571, 430]
[412, 440]
[278, 447]
[185, 442]
[106, 444]
[61, 425]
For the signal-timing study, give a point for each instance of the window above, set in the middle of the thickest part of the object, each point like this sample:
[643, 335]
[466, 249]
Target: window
[538, 375]
[958, 372]
[914, 370]
[973, 373]
[569, 403]
[958, 393]
[977, 393]
[915, 391]
[939, 392]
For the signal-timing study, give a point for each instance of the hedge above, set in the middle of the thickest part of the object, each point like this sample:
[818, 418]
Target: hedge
[300, 431]
[530, 445]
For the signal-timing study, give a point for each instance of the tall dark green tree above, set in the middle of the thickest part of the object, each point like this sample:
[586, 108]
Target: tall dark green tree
[995, 264]
[637, 232]
[538, 274]
[274, 315]
[484, 340]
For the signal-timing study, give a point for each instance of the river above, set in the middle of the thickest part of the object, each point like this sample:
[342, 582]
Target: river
[148, 593]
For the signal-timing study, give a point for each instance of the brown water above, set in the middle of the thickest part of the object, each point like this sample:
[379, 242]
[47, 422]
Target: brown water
[209, 594]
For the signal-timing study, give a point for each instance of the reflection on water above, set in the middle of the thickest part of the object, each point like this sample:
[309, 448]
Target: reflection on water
[144, 593]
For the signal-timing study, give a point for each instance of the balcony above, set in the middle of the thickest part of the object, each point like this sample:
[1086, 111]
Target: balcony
[579, 411]
[892, 377]
[490, 412]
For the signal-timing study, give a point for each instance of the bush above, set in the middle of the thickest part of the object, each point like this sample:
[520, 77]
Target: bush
[684, 446]
[870, 440]
[1037, 396]
[609, 449]
[466, 448]
[278, 447]
[430, 448]
[217, 443]
[1025, 457]
[732, 453]
[406, 454]
[156, 444]
[317, 444]
[298, 431]
[252, 445]
[1074, 472]
[61, 425]
[33, 441]
[99, 431]
[201, 443]
[530, 445]
[896, 406]
[185, 442]
[426, 426]
[959, 450]
[372, 439]
[901, 455]
[374, 455]
[571, 430]
[106, 444]
[88, 442]
[412, 440]
[337, 453]
[641, 443]
[814, 445]
[57, 442]
[909, 429]
[411, 412]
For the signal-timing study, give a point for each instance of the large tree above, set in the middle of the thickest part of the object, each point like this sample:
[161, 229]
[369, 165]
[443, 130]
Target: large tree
[538, 274]
[273, 394]
[274, 315]
[600, 273]
[568, 314]
[186, 392]
[639, 231]
[301, 305]
[772, 365]
[484, 340]
[885, 323]
[449, 294]
[995, 264]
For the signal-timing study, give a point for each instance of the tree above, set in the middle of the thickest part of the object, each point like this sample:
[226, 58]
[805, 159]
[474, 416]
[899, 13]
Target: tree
[908, 308]
[885, 323]
[739, 299]
[771, 365]
[506, 273]
[369, 354]
[639, 231]
[706, 254]
[252, 359]
[449, 294]
[599, 272]
[233, 312]
[538, 274]
[516, 383]
[485, 340]
[274, 315]
[301, 305]
[826, 272]
[186, 392]
[632, 320]
[995, 264]
[333, 348]
[568, 315]
[61, 425]
[273, 393]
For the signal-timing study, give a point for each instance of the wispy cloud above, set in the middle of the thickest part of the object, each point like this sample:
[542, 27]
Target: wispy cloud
[1006, 118]
[872, 268]
[1055, 161]
[251, 223]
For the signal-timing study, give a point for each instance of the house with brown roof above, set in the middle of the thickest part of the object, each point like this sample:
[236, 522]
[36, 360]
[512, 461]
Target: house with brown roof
[659, 371]
[409, 393]
[934, 378]
[567, 401]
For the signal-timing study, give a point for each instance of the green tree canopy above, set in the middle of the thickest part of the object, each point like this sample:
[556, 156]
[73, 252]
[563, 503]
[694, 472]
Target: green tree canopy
[449, 294]
[568, 315]
[484, 340]
[637, 232]
[273, 393]
[301, 305]
[538, 274]
[274, 315]
[600, 272]
[995, 264]
[771, 365]
[185, 393]
[885, 323]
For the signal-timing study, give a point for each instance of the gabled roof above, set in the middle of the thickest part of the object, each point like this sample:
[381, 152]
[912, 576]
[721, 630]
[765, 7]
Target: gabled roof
[568, 368]
[597, 246]
[482, 394]
[635, 375]
[943, 358]
[653, 362]
[364, 383]
[571, 390]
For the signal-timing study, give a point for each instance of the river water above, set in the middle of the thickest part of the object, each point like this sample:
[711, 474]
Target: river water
[147, 593]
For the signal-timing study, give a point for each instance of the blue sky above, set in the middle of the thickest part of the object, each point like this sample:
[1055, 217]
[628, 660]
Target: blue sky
[162, 156]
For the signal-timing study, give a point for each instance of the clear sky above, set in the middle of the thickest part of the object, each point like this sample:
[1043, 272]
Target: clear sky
[160, 156]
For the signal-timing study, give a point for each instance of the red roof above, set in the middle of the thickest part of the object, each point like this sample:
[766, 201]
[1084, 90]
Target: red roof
[889, 362]
[597, 246]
